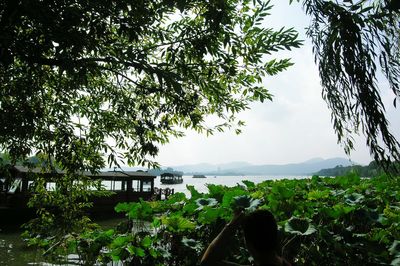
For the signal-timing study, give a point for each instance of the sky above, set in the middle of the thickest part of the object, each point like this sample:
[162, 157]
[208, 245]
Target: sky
[295, 127]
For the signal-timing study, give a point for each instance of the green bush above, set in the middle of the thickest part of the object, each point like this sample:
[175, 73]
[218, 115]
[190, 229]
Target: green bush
[333, 221]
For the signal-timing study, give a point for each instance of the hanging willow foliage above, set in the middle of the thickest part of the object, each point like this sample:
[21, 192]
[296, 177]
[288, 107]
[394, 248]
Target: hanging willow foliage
[352, 41]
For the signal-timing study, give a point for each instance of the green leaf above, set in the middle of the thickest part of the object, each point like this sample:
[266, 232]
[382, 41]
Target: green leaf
[338, 210]
[153, 253]
[202, 202]
[354, 198]
[216, 191]
[190, 208]
[229, 196]
[139, 252]
[245, 202]
[394, 249]
[300, 226]
[210, 215]
[121, 241]
[318, 194]
[146, 242]
[177, 223]
[176, 197]
[193, 192]
[249, 184]
[156, 222]
[192, 244]
[395, 262]
[123, 207]
[283, 192]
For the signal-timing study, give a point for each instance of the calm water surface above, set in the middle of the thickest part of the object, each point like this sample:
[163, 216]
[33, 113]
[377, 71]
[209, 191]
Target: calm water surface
[14, 253]
[200, 183]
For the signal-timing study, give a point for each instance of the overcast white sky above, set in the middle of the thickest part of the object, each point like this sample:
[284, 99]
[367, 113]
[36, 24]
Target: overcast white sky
[294, 127]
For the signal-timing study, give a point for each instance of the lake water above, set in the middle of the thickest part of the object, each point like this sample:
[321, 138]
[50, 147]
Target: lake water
[14, 253]
[200, 183]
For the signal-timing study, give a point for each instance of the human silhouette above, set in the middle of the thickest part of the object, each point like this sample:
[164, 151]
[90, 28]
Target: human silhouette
[261, 237]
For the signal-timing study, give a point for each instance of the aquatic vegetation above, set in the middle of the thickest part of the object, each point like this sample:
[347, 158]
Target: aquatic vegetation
[333, 221]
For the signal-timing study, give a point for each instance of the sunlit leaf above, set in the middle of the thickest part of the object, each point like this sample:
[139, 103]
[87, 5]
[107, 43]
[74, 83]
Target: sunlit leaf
[318, 194]
[202, 202]
[177, 223]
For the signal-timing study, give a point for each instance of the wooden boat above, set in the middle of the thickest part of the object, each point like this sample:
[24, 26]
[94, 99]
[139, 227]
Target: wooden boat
[171, 178]
[199, 176]
[126, 187]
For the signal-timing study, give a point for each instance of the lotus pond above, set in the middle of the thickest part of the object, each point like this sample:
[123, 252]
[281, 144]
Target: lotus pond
[333, 221]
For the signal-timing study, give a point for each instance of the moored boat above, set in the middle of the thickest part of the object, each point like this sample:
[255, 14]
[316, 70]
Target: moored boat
[199, 176]
[171, 178]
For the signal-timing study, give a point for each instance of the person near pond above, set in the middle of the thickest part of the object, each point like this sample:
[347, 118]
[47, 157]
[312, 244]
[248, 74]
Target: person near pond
[261, 237]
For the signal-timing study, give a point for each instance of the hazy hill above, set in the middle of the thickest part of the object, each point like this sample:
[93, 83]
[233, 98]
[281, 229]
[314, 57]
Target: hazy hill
[243, 168]
[207, 167]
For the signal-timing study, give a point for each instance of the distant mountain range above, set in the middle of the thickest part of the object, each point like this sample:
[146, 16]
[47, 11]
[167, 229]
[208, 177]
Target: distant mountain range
[243, 168]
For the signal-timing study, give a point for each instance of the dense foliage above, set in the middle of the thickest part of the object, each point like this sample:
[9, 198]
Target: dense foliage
[323, 221]
[352, 42]
[79, 79]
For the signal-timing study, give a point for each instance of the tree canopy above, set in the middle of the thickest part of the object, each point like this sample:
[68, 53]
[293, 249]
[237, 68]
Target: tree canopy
[79, 79]
[352, 42]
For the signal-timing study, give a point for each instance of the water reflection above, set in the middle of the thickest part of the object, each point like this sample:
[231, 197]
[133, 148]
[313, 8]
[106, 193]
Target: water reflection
[14, 252]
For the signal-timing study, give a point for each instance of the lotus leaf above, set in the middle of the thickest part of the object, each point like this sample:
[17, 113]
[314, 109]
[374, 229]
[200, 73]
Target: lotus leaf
[283, 192]
[395, 248]
[190, 208]
[368, 216]
[209, 215]
[216, 191]
[299, 226]
[146, 242]
[137, 251]
[192, 244]
[177, 223]
[354, 198]
[333, 222]
[396, 262]
[176, 198]
[249, 184]
[141, 211]
[123, 207]
[230, 195]
[245, 202]
[318, 194]
[193, 192]
[121, 241]
[202, 202]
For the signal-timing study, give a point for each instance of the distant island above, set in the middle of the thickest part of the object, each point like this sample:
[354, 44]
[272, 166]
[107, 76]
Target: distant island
[370, 170]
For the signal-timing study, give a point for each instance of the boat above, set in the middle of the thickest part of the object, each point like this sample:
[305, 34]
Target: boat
[126, 187]
[171, 178]
[199, 176]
